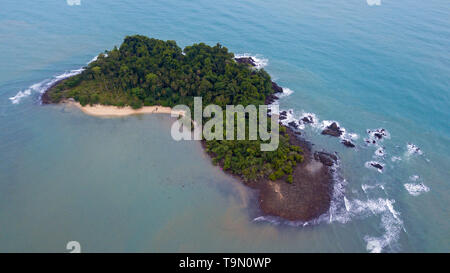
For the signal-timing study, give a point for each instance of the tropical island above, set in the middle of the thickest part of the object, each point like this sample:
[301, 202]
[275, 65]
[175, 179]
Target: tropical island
[146, 75]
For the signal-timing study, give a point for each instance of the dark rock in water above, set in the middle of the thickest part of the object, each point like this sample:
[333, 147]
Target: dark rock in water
[333, 126]
[283, 115]
[348, 143]
[326, 158]
[378, 133]
[376, 165]
[297, 133]
[307, 119]
[293, 124]
[277, 88]
[332, 130]
[246, 60]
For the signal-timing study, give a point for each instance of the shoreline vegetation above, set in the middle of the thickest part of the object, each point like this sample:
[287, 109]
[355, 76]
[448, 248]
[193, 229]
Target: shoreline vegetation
[146, 76]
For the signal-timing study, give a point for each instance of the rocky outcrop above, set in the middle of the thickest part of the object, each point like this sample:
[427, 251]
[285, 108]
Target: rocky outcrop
[246, 60]
[277, 88]
[326, 158]
[348, 143]
[332, 130]
[293, 124]
[307, 119]
[270, 99]
[45, 98]
[376, 165]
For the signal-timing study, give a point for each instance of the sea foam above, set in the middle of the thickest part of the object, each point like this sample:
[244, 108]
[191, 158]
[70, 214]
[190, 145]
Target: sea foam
[260, 62]
[44, 85]
[416, 189]
[412, 149]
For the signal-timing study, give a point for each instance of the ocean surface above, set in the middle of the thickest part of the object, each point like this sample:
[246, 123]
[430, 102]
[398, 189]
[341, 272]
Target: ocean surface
[123, 184]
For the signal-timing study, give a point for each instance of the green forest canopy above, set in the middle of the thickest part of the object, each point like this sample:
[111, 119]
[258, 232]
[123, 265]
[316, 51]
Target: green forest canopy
[146, 71]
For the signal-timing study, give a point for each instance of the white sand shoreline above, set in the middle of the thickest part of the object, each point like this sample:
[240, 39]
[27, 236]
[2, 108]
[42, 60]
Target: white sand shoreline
[115, 111]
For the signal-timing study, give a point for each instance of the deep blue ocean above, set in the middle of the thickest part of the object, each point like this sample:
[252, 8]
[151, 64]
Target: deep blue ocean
[123, 184]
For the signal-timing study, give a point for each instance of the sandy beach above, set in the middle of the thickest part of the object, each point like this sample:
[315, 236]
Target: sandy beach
[115, 111]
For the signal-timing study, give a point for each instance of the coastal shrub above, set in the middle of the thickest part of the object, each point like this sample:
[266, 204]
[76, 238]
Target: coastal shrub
[136, 103]
[279, 173]
[288, 168]
[272, 177]
[289, 179]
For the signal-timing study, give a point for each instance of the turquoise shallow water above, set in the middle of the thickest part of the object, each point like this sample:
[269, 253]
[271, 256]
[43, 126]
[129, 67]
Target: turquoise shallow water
[125, 185]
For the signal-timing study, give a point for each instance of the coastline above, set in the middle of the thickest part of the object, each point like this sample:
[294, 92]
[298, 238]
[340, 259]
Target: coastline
[305, 199]
[308, 197]
[115, 111]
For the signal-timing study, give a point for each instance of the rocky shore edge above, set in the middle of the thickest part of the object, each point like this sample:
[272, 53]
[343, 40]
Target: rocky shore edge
[309, 195]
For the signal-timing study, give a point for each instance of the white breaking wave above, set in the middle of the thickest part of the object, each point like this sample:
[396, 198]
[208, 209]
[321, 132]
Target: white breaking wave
[380, 152]
[390, 221]
[289, 117]
[73, 2]
[414, 177]
[365, 187]
[416, 189]
[286, 92]
[390, 218]
[44, 85]
[373, 2]
[41, 87]
[412, 149]
[260, 62]
[325, 123]
[311, 116]
[352, 136]
[396, 158]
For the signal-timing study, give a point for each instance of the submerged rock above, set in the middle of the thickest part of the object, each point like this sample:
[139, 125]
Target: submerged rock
[348, 143]
[332, 130]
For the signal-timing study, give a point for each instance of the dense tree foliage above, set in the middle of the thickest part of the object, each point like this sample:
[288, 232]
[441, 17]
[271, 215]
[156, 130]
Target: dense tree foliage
[146, 71]
[245, 158]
